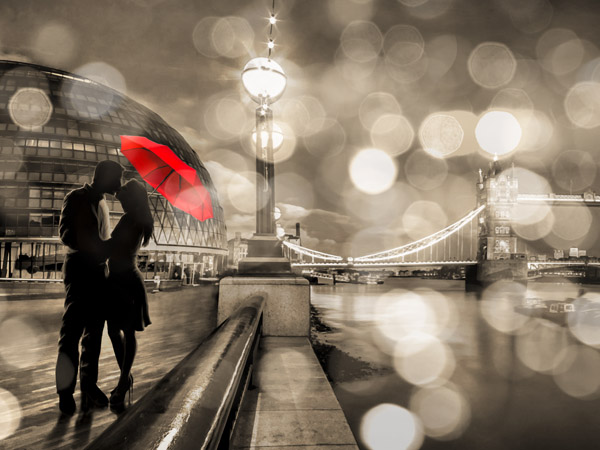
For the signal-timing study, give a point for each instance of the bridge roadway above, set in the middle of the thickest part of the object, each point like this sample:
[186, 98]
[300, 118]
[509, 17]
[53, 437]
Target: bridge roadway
[180, 320]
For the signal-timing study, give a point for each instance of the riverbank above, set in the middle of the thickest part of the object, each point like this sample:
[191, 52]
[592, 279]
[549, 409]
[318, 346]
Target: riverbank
[338, 365]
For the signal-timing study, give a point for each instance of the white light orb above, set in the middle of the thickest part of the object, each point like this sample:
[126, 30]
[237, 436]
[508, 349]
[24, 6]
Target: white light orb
[276, 134]
[498, 132]
[373, 171]
[264, 80]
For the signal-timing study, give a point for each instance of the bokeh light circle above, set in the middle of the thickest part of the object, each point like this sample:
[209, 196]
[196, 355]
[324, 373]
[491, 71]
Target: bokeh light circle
[392, 133]
[574, 170]
[422, 359]
[424, 171]
[576, 371]
[441, 135]
[537, 348]
[403, 45]
[582, 104]
[373, 171]
[423, 218]
[389, 426]
[10, 415]
[375, 105]
[21, 342]
[498, 132]
[361, 41]
[30, 108]
[584, 323]
[492, 64]
[444, 411]
[498, 303]
[572, 222]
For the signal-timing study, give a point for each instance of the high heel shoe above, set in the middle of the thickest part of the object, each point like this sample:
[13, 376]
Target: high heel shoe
[118, 394]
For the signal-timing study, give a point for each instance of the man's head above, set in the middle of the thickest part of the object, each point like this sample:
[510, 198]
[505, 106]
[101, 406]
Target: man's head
[107, 176]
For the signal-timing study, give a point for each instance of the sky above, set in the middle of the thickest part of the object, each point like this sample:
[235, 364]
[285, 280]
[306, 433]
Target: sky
[409, 80]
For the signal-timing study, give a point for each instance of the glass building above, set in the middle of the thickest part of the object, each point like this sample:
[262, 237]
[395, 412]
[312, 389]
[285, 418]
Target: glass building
[54, 128]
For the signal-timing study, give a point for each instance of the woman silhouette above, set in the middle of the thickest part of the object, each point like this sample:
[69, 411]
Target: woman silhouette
[129, 305]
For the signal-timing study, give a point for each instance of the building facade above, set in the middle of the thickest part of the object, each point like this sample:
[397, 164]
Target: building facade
[54, 128]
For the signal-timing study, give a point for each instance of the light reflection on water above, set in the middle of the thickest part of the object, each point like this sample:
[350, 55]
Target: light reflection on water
[512, 376]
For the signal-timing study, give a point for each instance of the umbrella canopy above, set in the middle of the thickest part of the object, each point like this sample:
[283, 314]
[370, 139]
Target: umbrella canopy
[162, 169]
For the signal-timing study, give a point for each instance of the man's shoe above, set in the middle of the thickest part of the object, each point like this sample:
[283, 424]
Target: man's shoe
[93, 398]
[66, 404]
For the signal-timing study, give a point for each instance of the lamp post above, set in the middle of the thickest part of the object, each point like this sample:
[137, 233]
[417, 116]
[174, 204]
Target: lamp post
[265, 81]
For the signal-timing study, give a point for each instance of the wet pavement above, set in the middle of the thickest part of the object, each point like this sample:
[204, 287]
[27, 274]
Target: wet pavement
[29, 415]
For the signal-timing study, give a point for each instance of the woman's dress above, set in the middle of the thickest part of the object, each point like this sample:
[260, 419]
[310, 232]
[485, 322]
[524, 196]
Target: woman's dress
[129, 303]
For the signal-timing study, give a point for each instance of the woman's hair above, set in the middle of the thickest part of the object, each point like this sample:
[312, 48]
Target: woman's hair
[133, 193]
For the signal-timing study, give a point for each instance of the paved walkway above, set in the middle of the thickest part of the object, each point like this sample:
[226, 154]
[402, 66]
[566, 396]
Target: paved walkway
[293, 406]
[29, 416]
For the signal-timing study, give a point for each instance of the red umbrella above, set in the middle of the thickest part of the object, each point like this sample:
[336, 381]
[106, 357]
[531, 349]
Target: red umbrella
[160, 167]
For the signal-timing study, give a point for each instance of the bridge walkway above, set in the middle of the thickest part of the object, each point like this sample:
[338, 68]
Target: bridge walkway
[293, 405]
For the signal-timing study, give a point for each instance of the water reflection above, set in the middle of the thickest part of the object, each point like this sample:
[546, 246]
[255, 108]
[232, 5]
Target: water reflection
[484, 375]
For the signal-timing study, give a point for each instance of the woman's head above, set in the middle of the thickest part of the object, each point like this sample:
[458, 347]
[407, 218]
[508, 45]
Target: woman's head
[134, 199]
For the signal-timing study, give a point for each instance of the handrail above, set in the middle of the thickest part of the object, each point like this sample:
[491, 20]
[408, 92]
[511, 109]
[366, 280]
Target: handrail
[196, 404]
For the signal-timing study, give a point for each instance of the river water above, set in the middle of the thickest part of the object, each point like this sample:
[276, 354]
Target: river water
[424, 364]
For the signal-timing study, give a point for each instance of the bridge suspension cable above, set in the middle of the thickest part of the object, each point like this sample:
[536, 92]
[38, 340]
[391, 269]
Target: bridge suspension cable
[311, 253]
[423, 243]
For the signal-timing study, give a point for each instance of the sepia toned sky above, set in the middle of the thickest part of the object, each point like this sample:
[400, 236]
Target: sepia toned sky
[408, 78]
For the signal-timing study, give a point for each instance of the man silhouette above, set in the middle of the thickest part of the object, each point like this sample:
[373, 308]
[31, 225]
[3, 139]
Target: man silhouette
[84, 226]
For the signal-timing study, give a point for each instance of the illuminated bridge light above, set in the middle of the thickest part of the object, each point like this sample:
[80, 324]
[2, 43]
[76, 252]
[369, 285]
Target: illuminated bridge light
[312, 253]
[423, 243]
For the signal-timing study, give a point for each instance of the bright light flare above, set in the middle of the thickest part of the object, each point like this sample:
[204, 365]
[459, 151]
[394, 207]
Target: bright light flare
[373, 171]
[277, 136]
[444, 411]
[389, 426]
[498, 132]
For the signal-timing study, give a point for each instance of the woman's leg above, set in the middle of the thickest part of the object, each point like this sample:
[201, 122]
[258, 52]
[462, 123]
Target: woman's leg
[128, 356]
[117, 341]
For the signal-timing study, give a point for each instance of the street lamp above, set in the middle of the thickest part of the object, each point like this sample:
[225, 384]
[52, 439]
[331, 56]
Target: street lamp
[265, 81]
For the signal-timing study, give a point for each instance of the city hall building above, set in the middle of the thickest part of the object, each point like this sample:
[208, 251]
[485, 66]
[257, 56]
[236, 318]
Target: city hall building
[54, 128]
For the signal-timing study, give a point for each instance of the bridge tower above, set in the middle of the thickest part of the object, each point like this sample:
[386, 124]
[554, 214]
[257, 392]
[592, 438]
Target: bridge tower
[497, 254]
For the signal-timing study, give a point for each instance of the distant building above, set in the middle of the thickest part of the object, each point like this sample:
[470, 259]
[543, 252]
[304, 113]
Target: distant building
[54, 128]
[559, 254]
[573, 252]
[238, 250]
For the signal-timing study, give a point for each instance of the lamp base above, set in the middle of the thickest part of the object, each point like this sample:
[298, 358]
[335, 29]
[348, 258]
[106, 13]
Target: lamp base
[265, 256]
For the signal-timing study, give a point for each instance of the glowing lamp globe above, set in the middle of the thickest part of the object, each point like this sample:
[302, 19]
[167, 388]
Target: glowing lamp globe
[277, 135]
[264, 80]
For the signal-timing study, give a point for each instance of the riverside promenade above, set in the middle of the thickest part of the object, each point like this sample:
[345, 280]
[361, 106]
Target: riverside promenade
[291, 405]
[181, 319]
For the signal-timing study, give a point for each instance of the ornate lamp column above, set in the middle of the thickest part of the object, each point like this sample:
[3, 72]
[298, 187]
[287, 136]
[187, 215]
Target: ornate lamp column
[265, 82]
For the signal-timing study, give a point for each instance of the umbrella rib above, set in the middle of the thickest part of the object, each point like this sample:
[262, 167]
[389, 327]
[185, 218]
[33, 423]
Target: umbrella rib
[158, 168]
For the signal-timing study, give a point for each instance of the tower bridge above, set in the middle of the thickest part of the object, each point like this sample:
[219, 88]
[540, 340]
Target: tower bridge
[484, 238]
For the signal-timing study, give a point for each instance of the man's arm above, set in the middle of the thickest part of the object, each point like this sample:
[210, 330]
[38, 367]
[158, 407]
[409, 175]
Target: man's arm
[78, 227]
